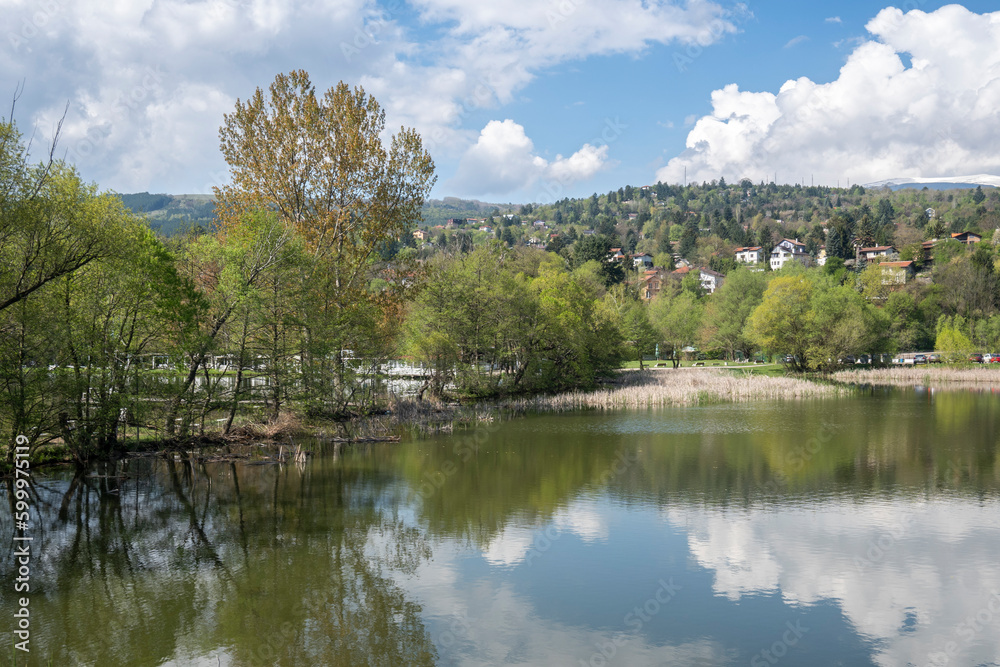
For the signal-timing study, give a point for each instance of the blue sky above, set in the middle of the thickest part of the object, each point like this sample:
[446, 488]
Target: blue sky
[521, 100]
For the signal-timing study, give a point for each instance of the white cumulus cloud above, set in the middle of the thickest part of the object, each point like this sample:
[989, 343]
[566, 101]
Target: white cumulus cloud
[883, 117]
[503, 160]
[430, 63]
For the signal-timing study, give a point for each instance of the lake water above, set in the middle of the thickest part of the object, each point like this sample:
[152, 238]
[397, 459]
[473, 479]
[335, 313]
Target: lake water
[849, 531]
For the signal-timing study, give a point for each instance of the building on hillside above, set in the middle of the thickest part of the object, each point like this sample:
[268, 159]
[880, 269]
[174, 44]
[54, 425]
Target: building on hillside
[928, 249]
[651, 282]
[789, 250]
[750, 255]
[421, 234]
[642, 260]
[616, 255]
[876, 252]
[967, 238]
[896, 273]
[711, 280]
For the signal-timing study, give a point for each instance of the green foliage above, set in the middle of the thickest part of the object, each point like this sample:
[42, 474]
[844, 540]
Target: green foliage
[676, 317]
[494, 328]
[729, 308]
[953, 339]
[817, 321]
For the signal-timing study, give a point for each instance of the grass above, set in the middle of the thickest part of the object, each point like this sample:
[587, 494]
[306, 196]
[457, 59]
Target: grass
[955, 377]
[708, 363]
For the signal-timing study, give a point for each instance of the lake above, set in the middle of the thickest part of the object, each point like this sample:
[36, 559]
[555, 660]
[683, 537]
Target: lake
[861, 530]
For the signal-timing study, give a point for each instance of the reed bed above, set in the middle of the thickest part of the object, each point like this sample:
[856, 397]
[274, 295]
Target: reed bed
[653, 389]
[923, 376]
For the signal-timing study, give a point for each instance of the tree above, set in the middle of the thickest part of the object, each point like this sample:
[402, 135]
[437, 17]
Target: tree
[781, 323]
[676, 318]
[51, 223]
[322, 165]
[495, 323]
[727, 311]
[227, 268]
[632, 319]
[952, 338]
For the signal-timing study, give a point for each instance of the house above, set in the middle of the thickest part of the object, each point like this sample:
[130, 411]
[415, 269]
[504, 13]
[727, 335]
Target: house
[642, 260]
[616, 255]
[651, 282]
[789, 250]
[928, 249]
[711, 280]
[967, 237]
[876, 252]
[455, 222]
[421, 234]
[487, 229]
[750, 255]
[539, 224]
[588, 232]
[896, 273]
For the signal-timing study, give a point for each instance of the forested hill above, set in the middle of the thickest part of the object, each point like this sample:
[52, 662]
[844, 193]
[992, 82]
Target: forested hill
[173, 214]
[177, 214]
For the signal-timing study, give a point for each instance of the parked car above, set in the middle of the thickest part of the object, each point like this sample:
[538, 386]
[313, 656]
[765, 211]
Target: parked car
[864, 359]
[920, 359]
[976, 358]
[995, 358]
[934, 358]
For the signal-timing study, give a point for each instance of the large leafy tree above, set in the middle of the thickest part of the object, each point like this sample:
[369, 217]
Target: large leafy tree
[783, 320]
[817, 321]
[676, 317]
[728, 309]
[51, 222]
[498, 321]
[323, 164]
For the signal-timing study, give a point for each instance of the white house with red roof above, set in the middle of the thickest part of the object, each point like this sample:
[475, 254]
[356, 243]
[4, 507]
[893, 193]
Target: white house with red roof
[750, 255]
[789, 250]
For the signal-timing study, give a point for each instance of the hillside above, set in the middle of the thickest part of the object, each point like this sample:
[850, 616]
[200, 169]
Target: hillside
[177, 214]
[172, 214]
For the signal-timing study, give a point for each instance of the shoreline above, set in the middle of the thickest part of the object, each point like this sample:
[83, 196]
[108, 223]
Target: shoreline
[945, 377]
[628, 390]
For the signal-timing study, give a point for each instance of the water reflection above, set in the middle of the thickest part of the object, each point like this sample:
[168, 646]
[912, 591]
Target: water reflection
[180, 563]
[853, 531]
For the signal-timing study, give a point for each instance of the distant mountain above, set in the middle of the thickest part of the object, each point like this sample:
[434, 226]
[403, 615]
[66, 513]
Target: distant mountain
[172, 214]
[943, 183]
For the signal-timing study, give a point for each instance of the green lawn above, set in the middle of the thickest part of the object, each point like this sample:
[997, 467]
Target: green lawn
[756, 369]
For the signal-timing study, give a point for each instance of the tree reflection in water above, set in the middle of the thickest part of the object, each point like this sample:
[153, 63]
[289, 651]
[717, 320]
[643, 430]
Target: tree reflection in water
[151, 562]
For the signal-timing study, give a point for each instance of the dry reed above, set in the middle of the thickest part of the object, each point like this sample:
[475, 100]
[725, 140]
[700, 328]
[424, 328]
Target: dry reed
[925, 376]
[285, 426]
[653, 389]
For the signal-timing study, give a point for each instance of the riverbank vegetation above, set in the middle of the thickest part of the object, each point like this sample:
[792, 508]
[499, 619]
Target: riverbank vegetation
[312, 300]
[663, 388]
[972, 376]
